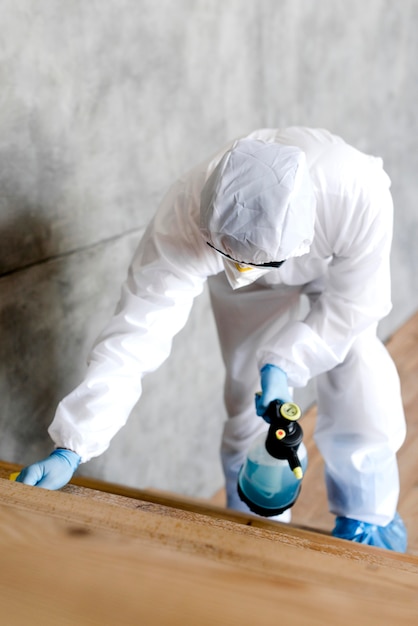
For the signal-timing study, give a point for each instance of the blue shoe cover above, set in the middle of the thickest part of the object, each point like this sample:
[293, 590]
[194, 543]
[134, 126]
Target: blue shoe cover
[391, 537]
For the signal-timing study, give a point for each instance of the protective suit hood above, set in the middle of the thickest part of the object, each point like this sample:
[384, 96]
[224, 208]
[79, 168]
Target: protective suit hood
[258, 205]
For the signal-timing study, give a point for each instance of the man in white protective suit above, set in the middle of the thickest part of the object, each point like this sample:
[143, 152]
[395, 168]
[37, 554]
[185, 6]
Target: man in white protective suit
[276, 215]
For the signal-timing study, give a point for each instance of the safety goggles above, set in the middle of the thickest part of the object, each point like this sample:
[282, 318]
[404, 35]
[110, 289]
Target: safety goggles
[273, 264]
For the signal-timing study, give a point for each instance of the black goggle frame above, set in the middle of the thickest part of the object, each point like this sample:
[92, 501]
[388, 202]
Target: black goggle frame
[272, 264]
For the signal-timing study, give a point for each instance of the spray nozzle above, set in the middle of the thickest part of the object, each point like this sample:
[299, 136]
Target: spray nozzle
[285, 434]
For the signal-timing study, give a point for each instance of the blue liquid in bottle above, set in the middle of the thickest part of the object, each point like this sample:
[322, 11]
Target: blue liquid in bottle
[268, 484]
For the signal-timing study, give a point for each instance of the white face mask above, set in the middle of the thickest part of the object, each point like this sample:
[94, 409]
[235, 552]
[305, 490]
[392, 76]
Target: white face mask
[240, 275]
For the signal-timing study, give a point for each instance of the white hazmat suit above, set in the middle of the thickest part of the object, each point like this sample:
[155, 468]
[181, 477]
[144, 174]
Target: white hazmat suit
[297, 195]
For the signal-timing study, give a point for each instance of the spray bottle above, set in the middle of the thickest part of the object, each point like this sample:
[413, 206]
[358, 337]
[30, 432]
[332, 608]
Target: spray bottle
[270, 480]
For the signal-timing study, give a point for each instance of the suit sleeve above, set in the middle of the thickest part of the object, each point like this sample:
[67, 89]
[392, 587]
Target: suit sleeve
[356, 293]
[166, 274]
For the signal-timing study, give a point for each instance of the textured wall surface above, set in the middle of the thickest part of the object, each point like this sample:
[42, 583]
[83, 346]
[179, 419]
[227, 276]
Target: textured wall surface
[102, 105]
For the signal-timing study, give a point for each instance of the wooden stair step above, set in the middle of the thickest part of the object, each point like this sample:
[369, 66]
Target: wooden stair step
[104, 554]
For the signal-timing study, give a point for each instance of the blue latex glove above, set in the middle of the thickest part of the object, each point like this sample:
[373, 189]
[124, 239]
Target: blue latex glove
[392, 537]
[53, 472]
[273, 387]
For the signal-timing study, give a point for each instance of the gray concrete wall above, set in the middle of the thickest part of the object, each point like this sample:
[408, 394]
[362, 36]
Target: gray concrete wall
[102, 104]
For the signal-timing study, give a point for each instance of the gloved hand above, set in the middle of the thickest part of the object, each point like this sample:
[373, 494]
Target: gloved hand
[53, 472]
[273, 387]
[392, 537]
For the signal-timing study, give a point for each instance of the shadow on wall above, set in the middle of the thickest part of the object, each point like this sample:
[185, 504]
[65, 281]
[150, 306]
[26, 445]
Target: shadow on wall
[32, 316]
[37, 300]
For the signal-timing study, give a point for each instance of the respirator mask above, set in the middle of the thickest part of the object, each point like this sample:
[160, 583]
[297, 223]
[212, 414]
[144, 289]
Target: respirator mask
[240, 275]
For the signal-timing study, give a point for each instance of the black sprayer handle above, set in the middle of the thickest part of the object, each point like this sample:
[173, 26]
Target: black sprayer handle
[294, 461]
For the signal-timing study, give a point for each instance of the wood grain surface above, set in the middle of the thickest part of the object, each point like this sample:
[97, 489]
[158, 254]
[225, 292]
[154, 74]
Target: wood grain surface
[85, 556]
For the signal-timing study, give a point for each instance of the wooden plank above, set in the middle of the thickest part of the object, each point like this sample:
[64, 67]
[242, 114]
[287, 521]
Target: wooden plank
[70, 558]
[199, 513]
